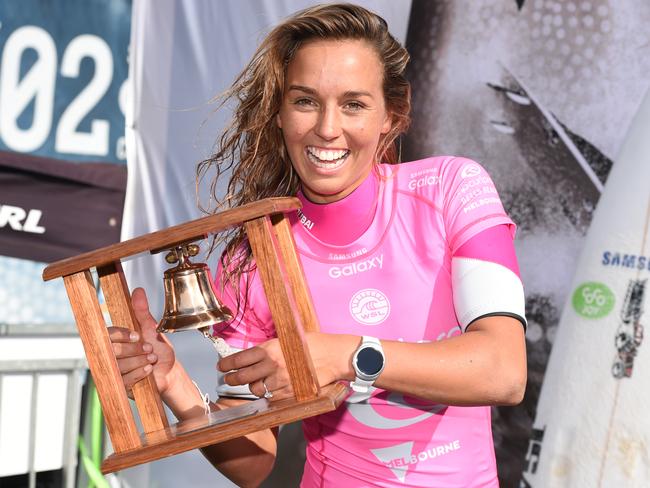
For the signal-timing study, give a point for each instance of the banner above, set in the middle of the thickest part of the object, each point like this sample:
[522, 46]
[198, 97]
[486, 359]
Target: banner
[541, 93]
[63, 71]
[62, 78]
[51, 209]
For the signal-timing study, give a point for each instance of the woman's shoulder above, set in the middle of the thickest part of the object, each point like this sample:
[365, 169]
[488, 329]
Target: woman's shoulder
[430, 172]
[428, 165]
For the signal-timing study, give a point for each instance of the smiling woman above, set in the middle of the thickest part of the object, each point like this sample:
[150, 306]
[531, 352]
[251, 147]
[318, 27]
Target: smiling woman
[333, 115]
[411, 268]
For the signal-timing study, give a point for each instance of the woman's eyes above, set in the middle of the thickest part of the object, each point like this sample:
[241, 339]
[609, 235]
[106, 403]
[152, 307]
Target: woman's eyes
[352, 106]
[304, 102]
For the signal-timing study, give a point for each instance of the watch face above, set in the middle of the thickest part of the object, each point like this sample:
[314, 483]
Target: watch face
[370, 361]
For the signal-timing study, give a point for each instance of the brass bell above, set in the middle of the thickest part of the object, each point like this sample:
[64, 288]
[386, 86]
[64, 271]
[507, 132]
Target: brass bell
[190, 302]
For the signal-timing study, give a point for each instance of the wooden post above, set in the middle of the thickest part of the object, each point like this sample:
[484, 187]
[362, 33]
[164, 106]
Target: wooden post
[103, 366]
[118, 300]
[268, 254]
[295, 273]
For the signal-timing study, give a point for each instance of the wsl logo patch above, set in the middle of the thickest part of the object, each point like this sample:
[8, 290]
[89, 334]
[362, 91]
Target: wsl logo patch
[369, 306]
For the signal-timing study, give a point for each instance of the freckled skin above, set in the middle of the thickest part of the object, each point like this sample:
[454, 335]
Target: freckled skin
[333, 100]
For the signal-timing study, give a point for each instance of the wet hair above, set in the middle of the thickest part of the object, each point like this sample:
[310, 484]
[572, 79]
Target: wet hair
[252, 147]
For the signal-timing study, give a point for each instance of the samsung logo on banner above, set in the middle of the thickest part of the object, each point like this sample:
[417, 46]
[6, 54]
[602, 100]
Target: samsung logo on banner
[623, 260]
[21, 220]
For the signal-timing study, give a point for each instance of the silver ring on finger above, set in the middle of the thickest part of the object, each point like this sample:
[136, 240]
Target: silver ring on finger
[267, 394]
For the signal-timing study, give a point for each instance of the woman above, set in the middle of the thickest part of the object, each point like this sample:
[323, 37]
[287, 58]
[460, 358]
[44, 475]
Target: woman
[411, 267]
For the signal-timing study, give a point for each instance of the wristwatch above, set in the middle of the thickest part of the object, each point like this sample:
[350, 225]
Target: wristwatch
[368, 363]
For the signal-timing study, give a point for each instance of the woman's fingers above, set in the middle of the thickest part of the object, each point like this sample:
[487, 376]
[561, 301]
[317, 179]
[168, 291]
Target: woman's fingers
[122, 334]
[122, 350]
[242, 359]
[253, 365]
[249, 374]
[141, 309]
[282, 393]
[148, 324]
[134, 351]
[130, 364]
[136, 375]
[134, 358]
[124, 344]
[258, 389]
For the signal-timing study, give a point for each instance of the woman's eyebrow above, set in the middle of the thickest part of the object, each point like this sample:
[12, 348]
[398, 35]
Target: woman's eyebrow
[302, 88]
[356, 94]
[347, 94]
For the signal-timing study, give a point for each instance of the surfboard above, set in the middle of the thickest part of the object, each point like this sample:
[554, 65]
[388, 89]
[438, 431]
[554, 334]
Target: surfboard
[592, 426]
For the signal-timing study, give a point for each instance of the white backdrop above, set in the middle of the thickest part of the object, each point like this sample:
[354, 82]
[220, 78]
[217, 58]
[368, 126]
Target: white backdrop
[183, 53]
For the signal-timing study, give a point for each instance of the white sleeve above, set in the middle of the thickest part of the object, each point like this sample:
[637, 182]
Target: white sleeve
[483, 288]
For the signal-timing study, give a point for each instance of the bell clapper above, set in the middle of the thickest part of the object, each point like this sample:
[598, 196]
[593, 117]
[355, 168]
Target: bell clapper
[222, 347]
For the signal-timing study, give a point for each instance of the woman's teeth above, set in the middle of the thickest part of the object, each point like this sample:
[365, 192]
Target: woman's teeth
[327, 158]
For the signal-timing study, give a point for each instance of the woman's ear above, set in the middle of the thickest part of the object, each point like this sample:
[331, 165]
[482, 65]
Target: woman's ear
[278, 120]
[388, 123]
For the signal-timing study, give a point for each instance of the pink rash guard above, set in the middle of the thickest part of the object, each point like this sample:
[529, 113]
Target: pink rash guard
[379, 263]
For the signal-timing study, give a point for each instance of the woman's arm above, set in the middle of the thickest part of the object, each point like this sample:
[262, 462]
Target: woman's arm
[484, 366]
[247, 461]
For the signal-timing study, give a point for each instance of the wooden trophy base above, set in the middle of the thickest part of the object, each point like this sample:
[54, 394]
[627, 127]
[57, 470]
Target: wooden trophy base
[225, 425]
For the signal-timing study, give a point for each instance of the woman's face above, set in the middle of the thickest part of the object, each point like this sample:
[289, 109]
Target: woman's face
[332, 116]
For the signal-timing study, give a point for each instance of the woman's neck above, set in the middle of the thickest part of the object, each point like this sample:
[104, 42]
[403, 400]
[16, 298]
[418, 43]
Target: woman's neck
[345, 220]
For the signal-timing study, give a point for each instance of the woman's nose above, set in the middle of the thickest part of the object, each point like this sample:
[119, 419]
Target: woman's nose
[328, 125]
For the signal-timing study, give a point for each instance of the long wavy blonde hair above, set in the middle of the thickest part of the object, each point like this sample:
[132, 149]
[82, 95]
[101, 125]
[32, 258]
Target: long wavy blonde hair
[252, 147]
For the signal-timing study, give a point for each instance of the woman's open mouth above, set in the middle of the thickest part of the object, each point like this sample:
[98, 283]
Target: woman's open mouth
[329, 159]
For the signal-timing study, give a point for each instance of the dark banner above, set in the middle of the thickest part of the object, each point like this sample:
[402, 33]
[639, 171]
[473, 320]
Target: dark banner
[51, 209]
[63, 95]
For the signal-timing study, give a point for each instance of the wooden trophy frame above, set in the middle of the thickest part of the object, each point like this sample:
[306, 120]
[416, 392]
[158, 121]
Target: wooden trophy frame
[269, 233]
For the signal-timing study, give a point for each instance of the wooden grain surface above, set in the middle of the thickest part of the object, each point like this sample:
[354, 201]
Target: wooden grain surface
[213, 428]
[118, 301]
[282, 303]
[295, 273]
[186, 232]
[103, 366]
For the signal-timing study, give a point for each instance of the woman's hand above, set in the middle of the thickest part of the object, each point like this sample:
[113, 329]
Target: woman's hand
[139, 354]
[265, 364]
